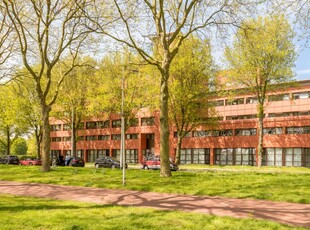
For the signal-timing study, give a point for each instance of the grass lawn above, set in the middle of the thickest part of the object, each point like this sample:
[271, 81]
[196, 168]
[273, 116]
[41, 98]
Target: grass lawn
[33, 213]
[289, 186]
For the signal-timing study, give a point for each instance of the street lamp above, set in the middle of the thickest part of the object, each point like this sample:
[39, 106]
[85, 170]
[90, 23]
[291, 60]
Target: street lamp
[123, 162]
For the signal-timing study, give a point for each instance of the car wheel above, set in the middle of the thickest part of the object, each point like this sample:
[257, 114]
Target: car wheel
[96, 166]
[30, 164]
[146, 167]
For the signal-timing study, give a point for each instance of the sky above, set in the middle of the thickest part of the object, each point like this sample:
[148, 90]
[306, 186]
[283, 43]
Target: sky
[303, 65]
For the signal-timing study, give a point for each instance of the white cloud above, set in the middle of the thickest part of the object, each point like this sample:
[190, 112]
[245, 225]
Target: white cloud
[303, 71]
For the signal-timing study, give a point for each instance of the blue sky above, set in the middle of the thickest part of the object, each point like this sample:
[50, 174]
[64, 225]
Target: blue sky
[303, 65]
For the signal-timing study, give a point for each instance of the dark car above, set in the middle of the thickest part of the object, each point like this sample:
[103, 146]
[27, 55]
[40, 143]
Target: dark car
[26, 160]
[153, 162]
[9, 159]
[108, 162]
[75, 162]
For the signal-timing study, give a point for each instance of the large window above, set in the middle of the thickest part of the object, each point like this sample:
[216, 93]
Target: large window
[195, 156]
[279, 97]
[55, 127]
[238, 101]
[306, 157]
[91, 155]
[55, 139]
[116, 123]
[91, 138]
[293, 156]
[239, 156]
[131, 155]
[91, 125]
[301, 95]
[245, 132]
[202, 133]
[131, 136]
[272, 130]
[224, 132]
[104, 137]
[103, 124]
[80, 153]
[241, 117]
[219, 103]
[147, 121]
[273, 157]
[298, 130]
[251, 100]
[116, 136]
[102, 152]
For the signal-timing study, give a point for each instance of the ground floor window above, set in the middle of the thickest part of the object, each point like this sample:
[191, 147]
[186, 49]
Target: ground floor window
[238, 156]
[293, 157]
[55, 153]
[132, 155]
[116, 153]
[306, 157]
[103, 152]
[91, 155]
[287, 157]
[195, 156]
[80, 153]
[273, 157]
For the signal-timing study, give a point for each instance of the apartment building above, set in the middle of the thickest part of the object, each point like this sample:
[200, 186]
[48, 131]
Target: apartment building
[233, 142]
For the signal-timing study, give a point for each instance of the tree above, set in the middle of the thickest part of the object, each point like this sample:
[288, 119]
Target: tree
[261, 60]
[19, 147]
[49, 33]
[156, 30]
[12, 125]
[191, 74]
[72, 105]
[138, 87]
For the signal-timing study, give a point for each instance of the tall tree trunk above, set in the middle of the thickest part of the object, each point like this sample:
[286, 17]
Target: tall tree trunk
[178, 153]
[45, 139]
[164, 127]
[38, 142]
[260, 147]
[8, 142]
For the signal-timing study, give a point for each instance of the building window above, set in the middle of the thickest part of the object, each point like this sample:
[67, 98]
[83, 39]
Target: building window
[279, 97]
[195, 156]
[91, 125]
[251, 100]
[116, 136]
[80, 153]
[147, 121]
[219, 103]
[244, 156]
[103, 137]
[238, 156]
[202, 133]
[134, 122]
[91, 138]
[293, 157]
[245, 132]
[102, 152]
[187, 134]
[103, 124]
[241, 117]
[238, 101]
[80, 138]
[298, 130]
[116, 153]
[272, 131]
[273, 157]
[116, 123]
[131, 136]
[66, 138]
[224, 156]
[131, 155]
[306, 157]
[67, 127]
[301, 95]
[55, 128]
[91, 155]
[224, 132]
[55, 139]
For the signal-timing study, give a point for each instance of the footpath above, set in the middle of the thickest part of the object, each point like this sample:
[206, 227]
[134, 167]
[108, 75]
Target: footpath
[282, 212]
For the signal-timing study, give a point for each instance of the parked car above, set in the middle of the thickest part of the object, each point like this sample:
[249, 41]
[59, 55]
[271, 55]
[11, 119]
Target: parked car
[108, 162]
[153, 162]
[9, 159]
[26, 160]
[69, 161]
[75, 162]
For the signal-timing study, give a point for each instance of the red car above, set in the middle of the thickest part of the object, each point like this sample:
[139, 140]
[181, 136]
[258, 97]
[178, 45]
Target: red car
[30, 161]
[153, 162]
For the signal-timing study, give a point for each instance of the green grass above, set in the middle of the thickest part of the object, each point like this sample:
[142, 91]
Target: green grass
[289, 187]
[33, 213]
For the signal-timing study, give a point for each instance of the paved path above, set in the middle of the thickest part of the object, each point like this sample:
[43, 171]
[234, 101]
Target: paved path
[287, 213]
